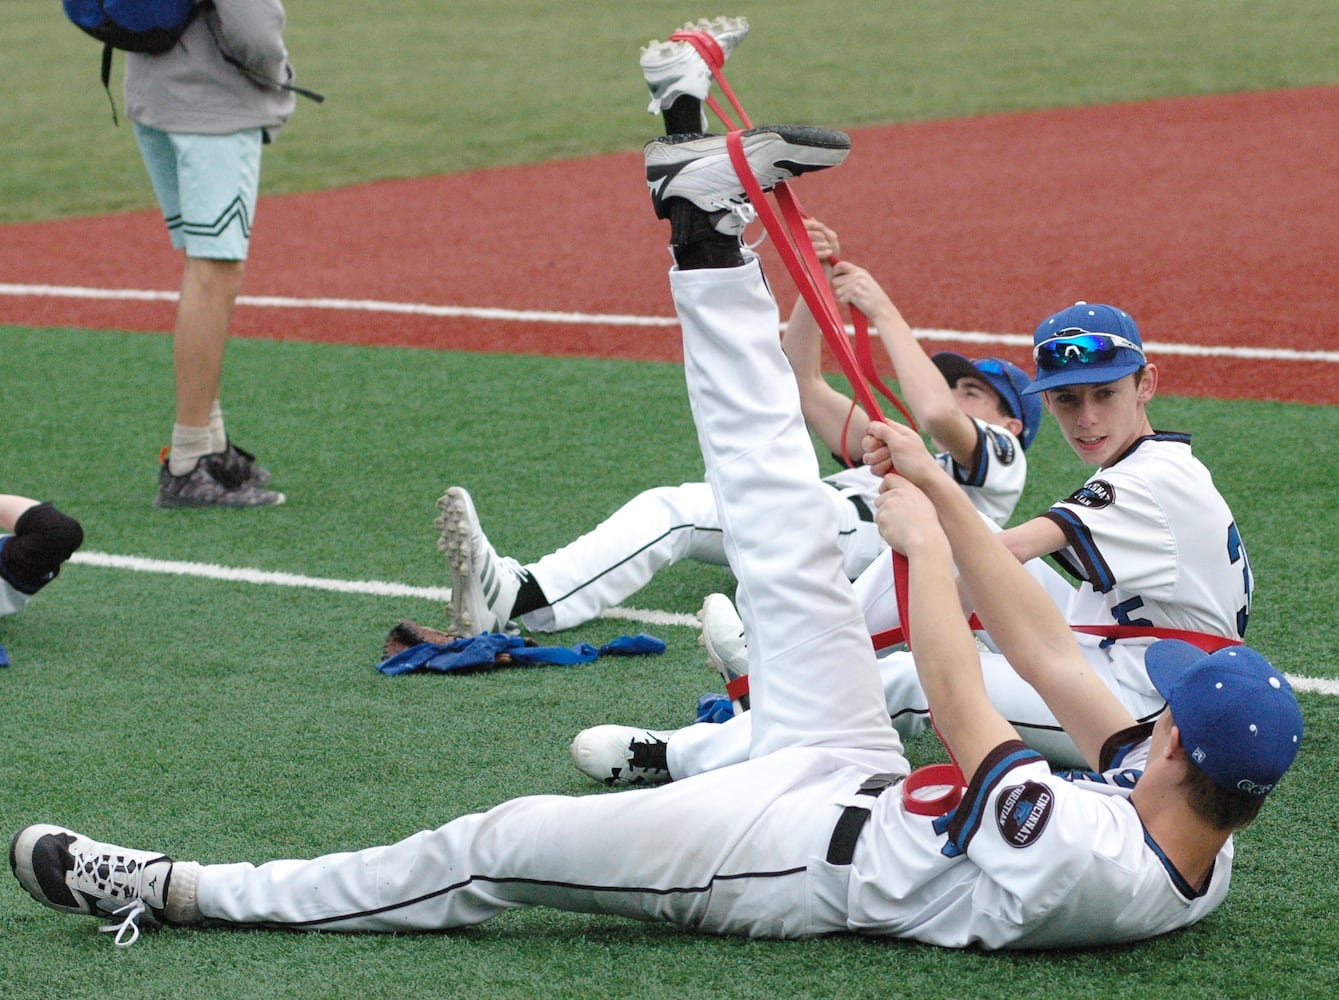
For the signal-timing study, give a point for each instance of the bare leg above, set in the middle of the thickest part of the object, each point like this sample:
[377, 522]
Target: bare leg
[209, 292]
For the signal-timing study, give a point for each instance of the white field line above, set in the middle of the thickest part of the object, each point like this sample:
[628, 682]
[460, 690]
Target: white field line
[375, 588]
[612, 319]
[379, 588]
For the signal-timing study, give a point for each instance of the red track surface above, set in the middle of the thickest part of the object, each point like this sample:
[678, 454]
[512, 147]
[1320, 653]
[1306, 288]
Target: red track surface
[1214, 221]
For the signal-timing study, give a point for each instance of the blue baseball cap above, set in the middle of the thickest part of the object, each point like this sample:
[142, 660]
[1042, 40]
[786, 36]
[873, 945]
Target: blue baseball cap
[1085, 344]
[1006, 378]
[1238, 716]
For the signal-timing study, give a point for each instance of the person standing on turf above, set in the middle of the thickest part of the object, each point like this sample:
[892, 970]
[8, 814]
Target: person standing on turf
[201, 113]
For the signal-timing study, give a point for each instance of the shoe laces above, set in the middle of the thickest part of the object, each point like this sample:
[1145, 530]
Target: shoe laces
[648, 754]
[742, 214]
[133, 910]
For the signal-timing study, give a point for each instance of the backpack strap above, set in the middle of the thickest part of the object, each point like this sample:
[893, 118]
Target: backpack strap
[107, 80]
[255, 77]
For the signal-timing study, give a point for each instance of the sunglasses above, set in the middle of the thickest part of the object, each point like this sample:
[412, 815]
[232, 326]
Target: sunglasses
[1082, 348]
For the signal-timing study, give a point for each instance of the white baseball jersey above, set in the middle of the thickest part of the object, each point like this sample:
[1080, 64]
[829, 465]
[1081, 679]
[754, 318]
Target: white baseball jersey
[996, 480]
[1154, 545]
[994, 483]
[1028, 859]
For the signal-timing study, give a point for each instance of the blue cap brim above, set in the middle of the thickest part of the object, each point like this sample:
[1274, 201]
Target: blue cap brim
[954, 366]
[1082, 375]
[1167, 659]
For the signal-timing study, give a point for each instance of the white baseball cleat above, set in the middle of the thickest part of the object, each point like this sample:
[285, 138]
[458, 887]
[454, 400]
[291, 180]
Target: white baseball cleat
[75, 874]
[622, 755]
[483, 583]
[698, 168]
[722, 637]
[675, 69]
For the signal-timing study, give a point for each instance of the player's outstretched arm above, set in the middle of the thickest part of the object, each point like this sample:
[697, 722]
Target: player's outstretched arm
[947, 661]
[922, 384]
[1020, 616]
[836, 419]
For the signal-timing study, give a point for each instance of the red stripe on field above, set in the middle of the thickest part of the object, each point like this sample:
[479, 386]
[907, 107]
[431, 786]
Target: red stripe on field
[1212, 220]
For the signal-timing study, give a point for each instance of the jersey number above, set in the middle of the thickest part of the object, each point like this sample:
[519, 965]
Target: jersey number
[1236, 552]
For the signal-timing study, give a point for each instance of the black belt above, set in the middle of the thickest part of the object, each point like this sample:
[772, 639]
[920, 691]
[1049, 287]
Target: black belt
[841, 848]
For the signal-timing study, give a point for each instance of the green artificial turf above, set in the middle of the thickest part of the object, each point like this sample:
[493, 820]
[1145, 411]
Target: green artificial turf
[241, 721]
[227, 720]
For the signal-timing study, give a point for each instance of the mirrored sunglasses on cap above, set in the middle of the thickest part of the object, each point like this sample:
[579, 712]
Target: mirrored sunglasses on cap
[1081, 347]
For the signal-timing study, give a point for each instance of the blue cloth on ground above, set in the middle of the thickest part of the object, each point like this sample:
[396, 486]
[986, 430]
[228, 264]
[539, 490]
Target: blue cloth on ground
[713, 707]
[479, 652]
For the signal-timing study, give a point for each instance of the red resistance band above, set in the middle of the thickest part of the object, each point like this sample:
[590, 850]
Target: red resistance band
[1201, 640]
[797, 252]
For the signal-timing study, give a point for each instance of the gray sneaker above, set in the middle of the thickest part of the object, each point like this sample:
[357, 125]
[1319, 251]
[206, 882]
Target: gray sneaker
[212, 483]
[698, 168]
[241, 466]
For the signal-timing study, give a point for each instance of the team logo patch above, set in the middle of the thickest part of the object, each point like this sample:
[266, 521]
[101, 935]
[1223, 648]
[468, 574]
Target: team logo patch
[1095, 495]
[1003, 446]
[1023, 812]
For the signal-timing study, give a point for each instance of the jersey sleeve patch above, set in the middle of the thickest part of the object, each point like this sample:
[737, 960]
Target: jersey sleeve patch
[964, 821]
[1002, 445]
[1094, 495]
[1022, 812]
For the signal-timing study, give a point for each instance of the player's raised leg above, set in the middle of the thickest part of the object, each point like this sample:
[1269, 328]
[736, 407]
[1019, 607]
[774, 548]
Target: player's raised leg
[814, 680]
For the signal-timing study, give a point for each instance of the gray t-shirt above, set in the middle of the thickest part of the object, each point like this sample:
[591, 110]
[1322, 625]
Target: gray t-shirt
[193, 88]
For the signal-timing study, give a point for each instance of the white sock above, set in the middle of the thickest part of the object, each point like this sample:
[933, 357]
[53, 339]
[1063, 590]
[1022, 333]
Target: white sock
[182, 905]
[188, 444]
[218, 437]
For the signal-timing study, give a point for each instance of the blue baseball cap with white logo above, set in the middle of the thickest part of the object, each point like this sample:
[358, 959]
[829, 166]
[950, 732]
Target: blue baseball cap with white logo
[1239, 719]
[1008, 380]
[1085, 344]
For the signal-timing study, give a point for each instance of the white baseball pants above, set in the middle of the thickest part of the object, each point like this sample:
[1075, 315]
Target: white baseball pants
[740, 850]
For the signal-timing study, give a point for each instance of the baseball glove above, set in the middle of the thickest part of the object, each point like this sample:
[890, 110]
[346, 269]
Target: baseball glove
[407, 635]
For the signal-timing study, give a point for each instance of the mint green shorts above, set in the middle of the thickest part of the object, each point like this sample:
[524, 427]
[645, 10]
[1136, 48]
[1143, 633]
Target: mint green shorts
[206, 186]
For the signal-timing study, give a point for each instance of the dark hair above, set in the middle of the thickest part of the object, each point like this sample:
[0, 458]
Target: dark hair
[1223, 808]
